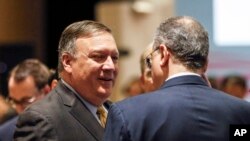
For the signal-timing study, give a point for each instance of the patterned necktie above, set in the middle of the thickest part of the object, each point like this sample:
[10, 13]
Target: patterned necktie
[102, 115]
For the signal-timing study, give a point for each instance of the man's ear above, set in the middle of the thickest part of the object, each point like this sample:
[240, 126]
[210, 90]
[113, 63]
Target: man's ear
[53, 84]
[46, 89]
[165, 54]
[66, 61]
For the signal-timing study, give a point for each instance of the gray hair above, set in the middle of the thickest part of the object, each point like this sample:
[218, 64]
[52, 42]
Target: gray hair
[75, 30]
[186, 38]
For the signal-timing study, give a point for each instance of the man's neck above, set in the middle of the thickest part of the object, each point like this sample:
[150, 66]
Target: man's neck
[181, 74]
[178, 70]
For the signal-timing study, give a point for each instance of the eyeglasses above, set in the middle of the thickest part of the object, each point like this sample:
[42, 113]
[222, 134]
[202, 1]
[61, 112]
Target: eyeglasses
[23, 102]
[148, 59]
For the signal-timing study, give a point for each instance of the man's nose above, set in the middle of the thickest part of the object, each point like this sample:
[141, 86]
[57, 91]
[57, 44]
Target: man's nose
[109, 64]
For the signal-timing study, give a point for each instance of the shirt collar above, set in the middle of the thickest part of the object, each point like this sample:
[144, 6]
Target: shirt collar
[181, 74]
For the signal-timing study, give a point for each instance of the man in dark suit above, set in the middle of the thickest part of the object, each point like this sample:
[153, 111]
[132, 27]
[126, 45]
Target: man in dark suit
[184, 107]
[88, 66]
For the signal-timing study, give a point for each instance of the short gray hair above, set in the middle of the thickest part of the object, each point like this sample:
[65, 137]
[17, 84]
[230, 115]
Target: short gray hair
[186, 38]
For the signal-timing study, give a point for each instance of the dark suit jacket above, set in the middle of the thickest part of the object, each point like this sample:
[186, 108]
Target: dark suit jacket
[60, 116]
[7, 129]
[183, 109]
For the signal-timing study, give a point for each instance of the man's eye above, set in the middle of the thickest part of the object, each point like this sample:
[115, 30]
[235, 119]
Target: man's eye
[97, 57]
[102, 58]
[115, 58]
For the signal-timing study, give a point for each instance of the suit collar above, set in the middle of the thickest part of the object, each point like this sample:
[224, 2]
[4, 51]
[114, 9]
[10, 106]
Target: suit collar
[67, 96]
[182, 80]
[87, 119]
[182, 74]
[79, 111]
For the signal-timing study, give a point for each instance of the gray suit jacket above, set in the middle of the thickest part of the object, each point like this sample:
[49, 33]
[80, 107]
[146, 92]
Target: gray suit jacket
[60, 116]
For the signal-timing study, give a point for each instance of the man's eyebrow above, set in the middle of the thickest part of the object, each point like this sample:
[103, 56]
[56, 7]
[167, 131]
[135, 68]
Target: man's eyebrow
[23, 98]
[103, 51]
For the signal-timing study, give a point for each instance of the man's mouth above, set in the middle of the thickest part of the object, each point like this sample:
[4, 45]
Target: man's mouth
[106, 79]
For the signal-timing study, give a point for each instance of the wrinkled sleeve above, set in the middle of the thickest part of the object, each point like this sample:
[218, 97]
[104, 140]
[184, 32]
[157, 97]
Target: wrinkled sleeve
[34, 126]
[116, 129]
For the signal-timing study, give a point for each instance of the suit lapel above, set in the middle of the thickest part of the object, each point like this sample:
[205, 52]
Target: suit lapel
[85, 117]
[80, 112]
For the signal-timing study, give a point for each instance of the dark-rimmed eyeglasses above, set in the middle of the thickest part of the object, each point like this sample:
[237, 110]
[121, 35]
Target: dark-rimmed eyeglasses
[148, 59]
[23, 102]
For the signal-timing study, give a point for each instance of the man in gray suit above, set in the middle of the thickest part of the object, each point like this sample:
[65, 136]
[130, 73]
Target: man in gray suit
[184, 107]
[88, 66]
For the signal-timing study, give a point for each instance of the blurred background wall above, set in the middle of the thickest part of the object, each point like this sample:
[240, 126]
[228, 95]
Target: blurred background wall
[22, 26]
[32, 29]
[133, 24]
[227, 56]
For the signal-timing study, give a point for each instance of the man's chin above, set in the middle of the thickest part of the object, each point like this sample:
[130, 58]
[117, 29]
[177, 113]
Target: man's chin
[105, 93]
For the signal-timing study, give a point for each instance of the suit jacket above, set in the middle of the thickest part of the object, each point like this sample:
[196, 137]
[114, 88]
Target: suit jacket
[60, 116]
[183, 109]
[7, 129]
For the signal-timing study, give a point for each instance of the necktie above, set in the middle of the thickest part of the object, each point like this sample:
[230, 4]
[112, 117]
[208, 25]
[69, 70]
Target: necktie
[102, 115]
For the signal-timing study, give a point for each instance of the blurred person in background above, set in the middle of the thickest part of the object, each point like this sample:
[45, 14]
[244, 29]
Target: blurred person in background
[6, 110]
[27, 83]
[213, 82]
[143, 83]
[235, 85]
[146, 74]
[133, 87]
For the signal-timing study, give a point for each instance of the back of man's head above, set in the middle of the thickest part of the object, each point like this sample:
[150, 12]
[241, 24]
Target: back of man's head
[187, 40]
